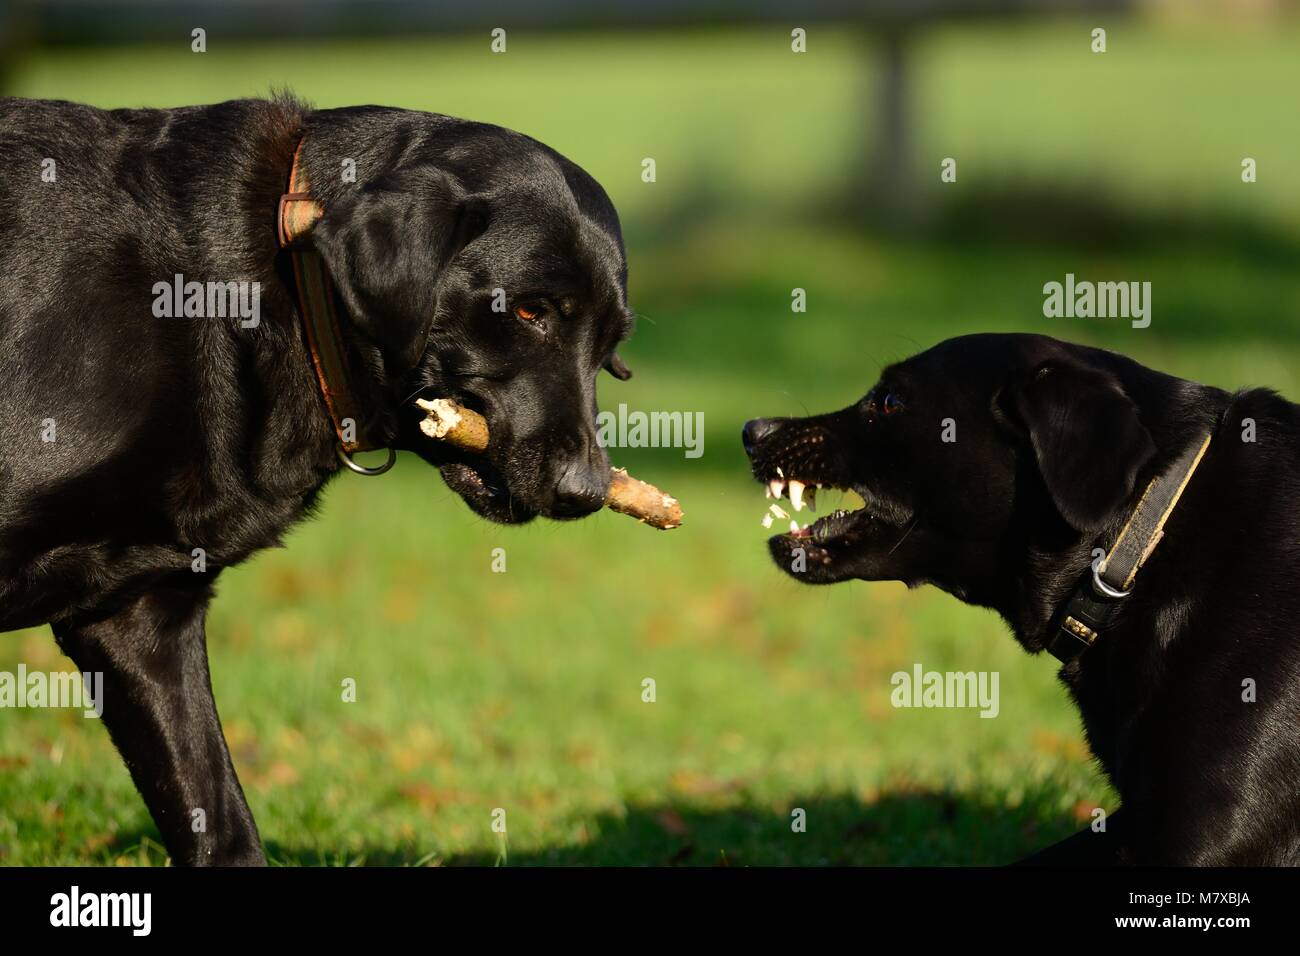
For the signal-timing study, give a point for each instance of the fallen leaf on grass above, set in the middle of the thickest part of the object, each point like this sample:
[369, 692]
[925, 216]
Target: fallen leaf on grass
[672, 823]
[99, 841]
[699, 785]
[1083, 811]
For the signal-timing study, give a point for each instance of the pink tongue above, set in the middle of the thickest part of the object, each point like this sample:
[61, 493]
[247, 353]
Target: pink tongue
[802, 532]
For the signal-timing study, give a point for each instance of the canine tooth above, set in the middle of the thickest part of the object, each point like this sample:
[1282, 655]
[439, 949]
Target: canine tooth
[794, 526]
[796, 494]
[774, 487]
[776, 510]
[767, 521]
[780, 472]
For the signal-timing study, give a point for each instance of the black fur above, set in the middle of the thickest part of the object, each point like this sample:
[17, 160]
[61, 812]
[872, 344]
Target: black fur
[1054, 442]
[177, 434]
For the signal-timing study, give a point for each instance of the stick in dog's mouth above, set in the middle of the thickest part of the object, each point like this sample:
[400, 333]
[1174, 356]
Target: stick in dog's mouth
[466, 429]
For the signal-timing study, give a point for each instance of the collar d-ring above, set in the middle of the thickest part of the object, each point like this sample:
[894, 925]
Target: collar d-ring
[1103, 588]
[362, 469]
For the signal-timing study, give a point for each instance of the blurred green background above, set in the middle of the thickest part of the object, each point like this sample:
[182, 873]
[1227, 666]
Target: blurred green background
[522, 690]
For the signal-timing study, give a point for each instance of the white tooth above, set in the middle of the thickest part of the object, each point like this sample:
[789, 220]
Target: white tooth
[796, 495]
[774, 487]
[780, 472]
[776, 510]
[794, 526]
[767, 521]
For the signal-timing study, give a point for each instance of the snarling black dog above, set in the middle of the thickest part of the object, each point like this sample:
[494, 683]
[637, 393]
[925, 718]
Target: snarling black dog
[471, 262]
[1017, 472]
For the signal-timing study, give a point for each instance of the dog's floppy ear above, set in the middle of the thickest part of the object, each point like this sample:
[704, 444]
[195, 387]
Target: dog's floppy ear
[386, 247]
[618, 368]
[1087, 438]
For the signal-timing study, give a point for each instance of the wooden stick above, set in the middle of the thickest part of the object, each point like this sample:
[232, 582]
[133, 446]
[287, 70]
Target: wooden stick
[467, 430]
[455, 424]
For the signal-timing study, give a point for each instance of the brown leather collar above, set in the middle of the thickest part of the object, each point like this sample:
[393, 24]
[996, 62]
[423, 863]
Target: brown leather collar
[317, 301]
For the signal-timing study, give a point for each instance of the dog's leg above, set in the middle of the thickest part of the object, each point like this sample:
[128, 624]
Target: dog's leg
[157, 703]
[1085, 848]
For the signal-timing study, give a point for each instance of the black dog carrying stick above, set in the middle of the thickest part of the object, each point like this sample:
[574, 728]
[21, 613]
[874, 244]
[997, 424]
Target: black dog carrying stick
[467, 429]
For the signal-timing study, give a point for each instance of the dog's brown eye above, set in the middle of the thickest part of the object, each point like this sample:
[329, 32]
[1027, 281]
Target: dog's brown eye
[528, 313]
[891, 403]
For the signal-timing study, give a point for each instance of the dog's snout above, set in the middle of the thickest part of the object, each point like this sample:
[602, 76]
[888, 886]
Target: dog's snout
[755, 430]
[580, 491]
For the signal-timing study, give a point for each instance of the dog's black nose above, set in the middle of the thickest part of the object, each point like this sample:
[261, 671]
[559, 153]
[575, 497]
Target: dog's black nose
[755, 430]
[580, 491]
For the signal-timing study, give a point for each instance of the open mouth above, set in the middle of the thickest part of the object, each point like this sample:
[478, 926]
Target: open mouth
[847, 521]
[804, 471]
[810, 464]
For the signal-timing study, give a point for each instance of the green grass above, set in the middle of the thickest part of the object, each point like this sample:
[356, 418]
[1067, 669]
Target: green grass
[522, 690]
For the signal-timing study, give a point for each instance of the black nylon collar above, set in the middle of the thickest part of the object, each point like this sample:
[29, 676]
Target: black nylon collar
[1097, 600]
